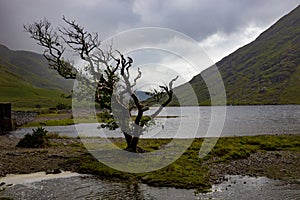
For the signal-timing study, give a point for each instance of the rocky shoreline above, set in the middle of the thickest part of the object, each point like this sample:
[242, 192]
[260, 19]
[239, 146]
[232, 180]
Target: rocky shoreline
[283, 165]
[23, 117]
[15, 160]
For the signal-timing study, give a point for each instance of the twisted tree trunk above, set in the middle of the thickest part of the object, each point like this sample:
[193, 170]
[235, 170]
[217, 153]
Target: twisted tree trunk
[132, 142]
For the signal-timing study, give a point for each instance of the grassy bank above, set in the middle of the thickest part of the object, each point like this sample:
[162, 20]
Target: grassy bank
[65, 118]
[190, 171]
[273, 156]
[51, 122]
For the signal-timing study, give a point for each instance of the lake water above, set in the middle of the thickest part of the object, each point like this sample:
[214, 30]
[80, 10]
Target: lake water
[188, 122]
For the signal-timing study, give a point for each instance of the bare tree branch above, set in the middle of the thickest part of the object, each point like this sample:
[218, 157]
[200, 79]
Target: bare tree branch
[80, 41]
[169, 91]
[45, 35]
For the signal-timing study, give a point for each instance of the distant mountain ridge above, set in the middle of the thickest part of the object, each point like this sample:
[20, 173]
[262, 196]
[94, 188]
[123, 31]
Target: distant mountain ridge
[266, 71]
[142, 95]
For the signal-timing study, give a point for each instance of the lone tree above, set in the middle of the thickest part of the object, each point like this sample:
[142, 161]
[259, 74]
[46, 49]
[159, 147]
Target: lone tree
[108, 70]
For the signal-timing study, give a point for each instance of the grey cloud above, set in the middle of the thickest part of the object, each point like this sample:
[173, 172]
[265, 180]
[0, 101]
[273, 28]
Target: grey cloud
[202, 18]
[105, 17]
[196, 18]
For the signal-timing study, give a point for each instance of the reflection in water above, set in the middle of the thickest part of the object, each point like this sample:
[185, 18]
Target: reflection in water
[89, 187]
[135, 189]
[259, 188]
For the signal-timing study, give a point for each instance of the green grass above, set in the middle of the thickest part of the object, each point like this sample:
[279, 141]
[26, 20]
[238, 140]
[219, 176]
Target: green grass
[190, 171]
[67, 121]
[26, 81]
[101, 118]
[6, 198]
[61, 122]
[24, 96]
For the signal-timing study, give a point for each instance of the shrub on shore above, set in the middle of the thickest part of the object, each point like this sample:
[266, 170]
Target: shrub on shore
[38, 139]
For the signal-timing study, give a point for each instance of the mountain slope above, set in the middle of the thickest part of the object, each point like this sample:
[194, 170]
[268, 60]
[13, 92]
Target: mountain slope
[27, 81]
[33, 68]
[266, 71]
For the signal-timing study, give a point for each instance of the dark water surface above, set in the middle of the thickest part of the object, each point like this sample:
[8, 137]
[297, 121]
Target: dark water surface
[87, 187]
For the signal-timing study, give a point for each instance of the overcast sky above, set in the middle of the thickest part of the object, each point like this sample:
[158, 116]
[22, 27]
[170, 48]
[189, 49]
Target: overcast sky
[218, 26]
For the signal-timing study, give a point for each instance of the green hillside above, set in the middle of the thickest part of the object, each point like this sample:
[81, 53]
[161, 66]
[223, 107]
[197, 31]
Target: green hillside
[27, 81]
[266, 71]
[33, 68]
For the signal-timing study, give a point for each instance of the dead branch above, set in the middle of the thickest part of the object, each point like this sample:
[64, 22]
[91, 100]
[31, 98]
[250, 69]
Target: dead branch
[169, 91]
[42, 32]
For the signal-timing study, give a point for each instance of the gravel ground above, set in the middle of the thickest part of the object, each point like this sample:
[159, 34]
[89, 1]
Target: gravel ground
[283, 165]
[15, 160]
